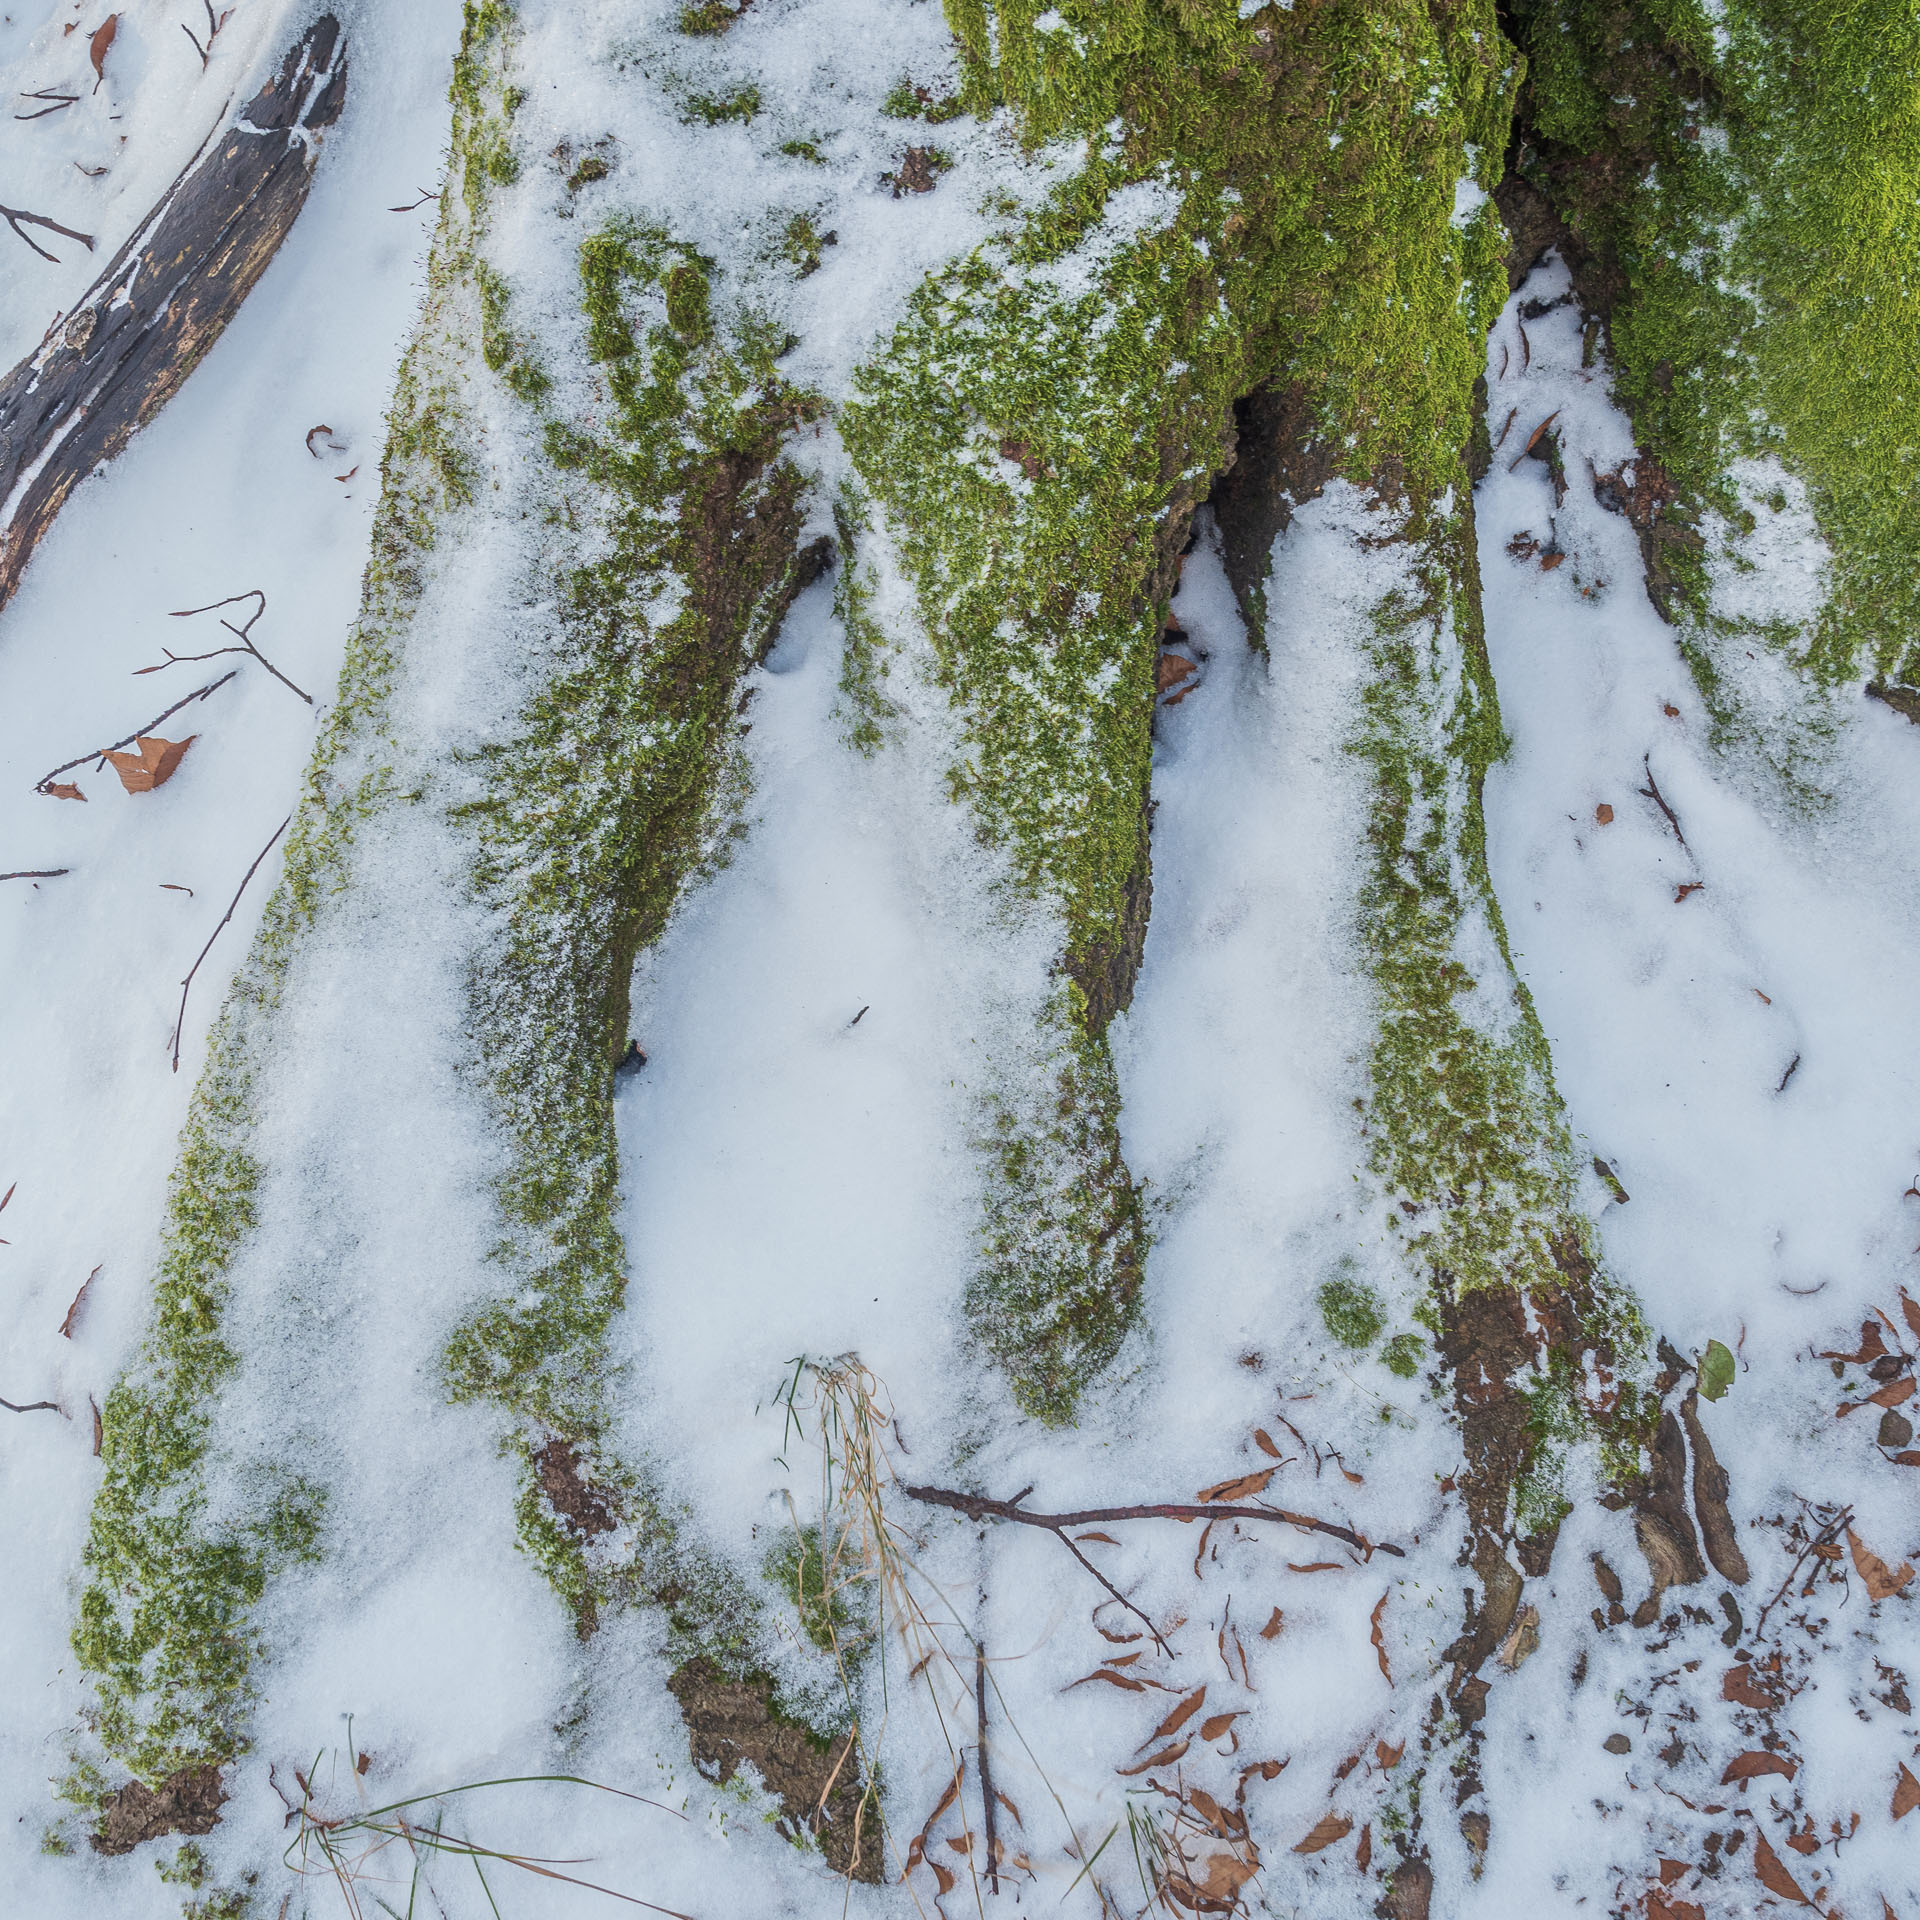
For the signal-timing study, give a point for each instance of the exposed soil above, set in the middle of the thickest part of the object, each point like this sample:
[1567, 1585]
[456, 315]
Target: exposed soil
[817, 1781]
[569, 1492]
[185, 1802]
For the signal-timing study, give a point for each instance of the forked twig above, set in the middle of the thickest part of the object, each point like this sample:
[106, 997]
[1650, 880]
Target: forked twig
[243, 634]
[1843, 1519]
[19, 220]
[61, 101]
[186, 985]
[213, 31]
[979, 1507]
[46, 780]
[425, 196]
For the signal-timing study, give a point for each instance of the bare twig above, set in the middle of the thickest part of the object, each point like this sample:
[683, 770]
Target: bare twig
[99, 753]
[986, 1764]
[243, 634]
[43, 873]
[1651, 791]
[979, 1507]
[19, 220]
[1842, 1520]
[61, 101]
[425, 196]
[33, 1406]
[186, 985]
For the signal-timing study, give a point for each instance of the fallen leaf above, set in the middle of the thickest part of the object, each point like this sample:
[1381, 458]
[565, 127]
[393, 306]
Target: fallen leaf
[1716, 1370]
[1329, 1828]
[1773, 1875]
[1106, 1538]
[1264, 1441]
[1548, 561]
[1216, 1724]
[98, 45]
[1766, 1000]
[1243, 1488]
[1670, 710]
[1314, 1566]
[1671, 1870]
[1117, 1639]
[1209, 1810]
[1164, 1758]
[1379, 1639]
[1363, 1853]
[154, 765]
[8, 1195]
[963, 1845]
[944, 1877]
[1891, 1394]
[1603, 813]
[1018, 1820]
[1911, 1458]
[1872, 1347]
[1272, 1630]
[1749, 1765]
[1803, 1843]
[63, 790]
[1659, 1907]
[1171, 669]
[1112, 1679]
[79, 1300]
[1388, 1757]
[1266, 1769]
[1883, 1582]
[1910, 1313]
[1690, 887]
[1183, 1711]
[1533, 439]
[1740, 1685]
[1906, 1793]
[1227, 1873]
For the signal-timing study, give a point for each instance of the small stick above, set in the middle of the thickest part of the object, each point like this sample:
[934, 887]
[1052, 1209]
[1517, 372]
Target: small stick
[33, 1406]
[1842, 1520]
[43, 873]
[46, 780]
[19, 220]
[61, 101]
[425, 196]
[1513, 413]
[243, 634]
[186, 985]
[1793, 1067]
[986, 1765]
[1651, 791]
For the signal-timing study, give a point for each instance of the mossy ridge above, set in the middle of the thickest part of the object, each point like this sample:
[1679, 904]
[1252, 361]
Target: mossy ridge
[598, 807]
[1746, 185]
[163, 1626]
[1255, 203]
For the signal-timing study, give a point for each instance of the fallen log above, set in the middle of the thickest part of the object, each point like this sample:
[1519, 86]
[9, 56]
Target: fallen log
[104, 370]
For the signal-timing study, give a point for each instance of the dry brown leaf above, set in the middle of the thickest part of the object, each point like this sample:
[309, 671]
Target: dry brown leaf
[1379, 1639]
[1183, 1711]
[1208, 1808]
[1354, 1479]
[1740, 1685]
[1910, 1458]
[1871, 1346]
[1243, 1488]
[1164, 1758]
[1765, 999]
[1314, 1566]
[944, 1876]
[1266, 1769]
[1883, 1582]
[962, 1845]
[1018, 1821]
[1659, 1907]
[8, 1195]
[1081, 1539]
[1171, 669]
[1906, 1793]
[1227, 1873]
[1112, 1679]
[1892, 1393]
[916, 1852]
[1274, 1627]
[98, 45]
[1533, 439]
[1687, 889]
[154, 765]
[1363, 1853]
[1750, 1765]
[1671, 1870]
[1216, 1724]
[1327, 1829]
[1126, 1659]
[63, 790]
[1264, 1441]
[1388, 1757]
[1910, 1313]
[79, 1300]
[1804, 1843]
[1117, 1639]
[1773, 1873]
[1603, 813]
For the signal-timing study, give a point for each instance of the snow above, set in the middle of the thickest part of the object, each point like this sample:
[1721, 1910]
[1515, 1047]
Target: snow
[798, 1155]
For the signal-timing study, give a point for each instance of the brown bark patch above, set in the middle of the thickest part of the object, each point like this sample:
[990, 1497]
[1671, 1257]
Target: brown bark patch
[816, 1781]
[185, 1802]
[1711, 1486]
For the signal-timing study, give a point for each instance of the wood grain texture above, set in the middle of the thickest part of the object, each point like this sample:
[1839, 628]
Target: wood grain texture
[104, 370]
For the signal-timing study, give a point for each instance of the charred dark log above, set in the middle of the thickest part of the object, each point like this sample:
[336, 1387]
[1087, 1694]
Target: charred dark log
[105, 370]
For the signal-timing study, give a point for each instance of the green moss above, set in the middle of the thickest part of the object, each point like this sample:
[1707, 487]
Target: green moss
[1750, 188]
[1403, 1354]
[713, 109]
[1352, 1312]
[802, 244]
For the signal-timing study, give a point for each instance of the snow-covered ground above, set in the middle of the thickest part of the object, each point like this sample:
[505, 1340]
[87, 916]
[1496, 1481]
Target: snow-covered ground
[799, 1166]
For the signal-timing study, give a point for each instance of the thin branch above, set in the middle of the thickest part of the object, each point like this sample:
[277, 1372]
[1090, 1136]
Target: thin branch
[986, 1763]
[425, 196]
[33, 1406]
[243, 634]
[1841, 1520]
[1651, 791]
[61, 101]
[186, 985]
[41, 873]
[99, 753]
[979, 1507]
[19, 220]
